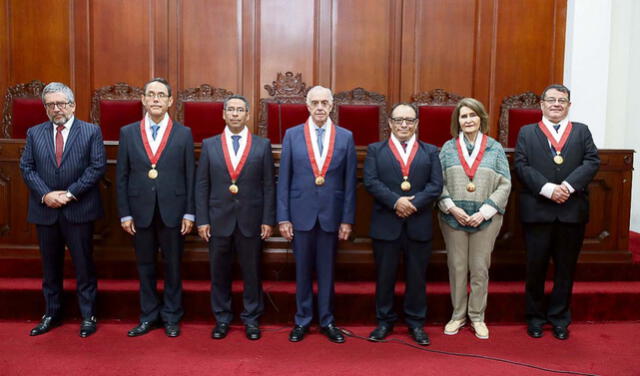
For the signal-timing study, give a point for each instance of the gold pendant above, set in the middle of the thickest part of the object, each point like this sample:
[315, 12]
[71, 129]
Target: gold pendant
[153, 173]
[405, 185]
[319, 180]
[558, 159]
[471, 187]
[233, 188]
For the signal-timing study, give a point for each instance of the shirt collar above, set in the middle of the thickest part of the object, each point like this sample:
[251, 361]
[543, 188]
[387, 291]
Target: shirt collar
[326, 125]
[162, 124]
[67, 125]
[550, 124]
[242, 134]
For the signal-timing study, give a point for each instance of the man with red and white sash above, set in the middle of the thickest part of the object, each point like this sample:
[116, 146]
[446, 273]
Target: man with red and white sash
[235, 212]
[556, 160]
[404, 176]
[155, 184]
[316, 206]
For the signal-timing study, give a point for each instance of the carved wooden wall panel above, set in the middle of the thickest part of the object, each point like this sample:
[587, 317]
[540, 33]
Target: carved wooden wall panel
[38, 47]
[209, 44]
[122, 47]
[287, 32]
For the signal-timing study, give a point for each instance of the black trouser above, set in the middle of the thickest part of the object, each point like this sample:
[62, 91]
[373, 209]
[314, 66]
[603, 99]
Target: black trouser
[248, 251]
[416, 259]
[147, 241]
[79, 238]
[560, 242]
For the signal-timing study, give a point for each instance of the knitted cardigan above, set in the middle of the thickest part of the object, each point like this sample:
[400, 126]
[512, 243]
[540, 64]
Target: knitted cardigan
[492, 181]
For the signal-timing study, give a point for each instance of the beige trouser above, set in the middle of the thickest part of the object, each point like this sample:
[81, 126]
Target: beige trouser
[469, 253]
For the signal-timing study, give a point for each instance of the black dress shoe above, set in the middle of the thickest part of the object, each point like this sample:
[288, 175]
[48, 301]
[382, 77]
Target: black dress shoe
[252, 332]
[47, 323]
[333, 333]
[380, 333]
[220, 331]
[143, 328]
[297, 333]
[534, 331]
[560, 332]
[88, 326]
[420, 336]
[171, 329]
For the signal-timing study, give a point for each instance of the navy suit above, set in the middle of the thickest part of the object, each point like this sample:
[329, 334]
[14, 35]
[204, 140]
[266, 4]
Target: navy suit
[157, 207]
[551, 230]
[83, 165]
[235, 222]
[393, 235]
[316, 213]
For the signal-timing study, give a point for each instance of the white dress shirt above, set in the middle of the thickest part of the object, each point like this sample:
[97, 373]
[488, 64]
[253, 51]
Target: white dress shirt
[65, 132]
[328, 128]
[235, 158]
[404, 154]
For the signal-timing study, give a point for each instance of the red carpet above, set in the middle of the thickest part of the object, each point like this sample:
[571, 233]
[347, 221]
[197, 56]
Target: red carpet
[603, 349]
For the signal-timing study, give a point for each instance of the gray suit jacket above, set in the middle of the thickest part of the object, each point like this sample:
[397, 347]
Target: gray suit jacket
[83, 165]
[172, 191]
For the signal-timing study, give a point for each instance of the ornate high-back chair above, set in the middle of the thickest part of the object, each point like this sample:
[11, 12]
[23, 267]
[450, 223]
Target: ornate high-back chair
[115, 106]
[435, 108]
[201, 110]
[363, 113]
[517, 111]
[285, 108]
[23, 108]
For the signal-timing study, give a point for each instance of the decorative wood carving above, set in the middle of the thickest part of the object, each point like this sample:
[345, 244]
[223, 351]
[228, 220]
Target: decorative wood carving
[287, 88]
[5, 201]
[204, 93]
[436, 97]
[528, 100]
[32, 89]
[121, 91]
[360, 96]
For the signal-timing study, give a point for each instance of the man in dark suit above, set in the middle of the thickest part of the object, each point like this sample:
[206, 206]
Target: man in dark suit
[62, 163]
[555, 160]
[404, 176]
[235, 212]
[155, 181]
[316, 206]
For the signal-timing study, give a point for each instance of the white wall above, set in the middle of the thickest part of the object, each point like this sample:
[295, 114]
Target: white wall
[602, 69]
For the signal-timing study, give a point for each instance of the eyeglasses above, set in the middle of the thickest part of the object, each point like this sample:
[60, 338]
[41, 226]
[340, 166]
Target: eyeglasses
[61, 105]
[551, 100]
[399, 121]
[152, 95]
[239, 110]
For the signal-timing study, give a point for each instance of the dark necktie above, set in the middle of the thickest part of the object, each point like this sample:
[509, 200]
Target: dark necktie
[320, 139]
[556, 127]
[404, 146]
[154, 130]
[236, 143]
[59, 144]
[553, 150]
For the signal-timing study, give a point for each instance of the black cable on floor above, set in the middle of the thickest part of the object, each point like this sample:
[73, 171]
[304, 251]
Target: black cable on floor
[422, 348]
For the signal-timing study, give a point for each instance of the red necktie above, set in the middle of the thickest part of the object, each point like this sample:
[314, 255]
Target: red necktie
[59, 144]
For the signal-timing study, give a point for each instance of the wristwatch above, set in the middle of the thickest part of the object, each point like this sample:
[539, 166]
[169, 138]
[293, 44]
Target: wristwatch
[69, 195]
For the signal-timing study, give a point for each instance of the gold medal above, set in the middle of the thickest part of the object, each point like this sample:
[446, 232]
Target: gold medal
[153, 173]
[233, 188]
[405, 185]
[319, 180]
[558, 159]
[471, 187]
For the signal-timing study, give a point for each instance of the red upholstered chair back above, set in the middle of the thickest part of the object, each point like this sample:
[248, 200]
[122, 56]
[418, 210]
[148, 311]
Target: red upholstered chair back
[363, 113]
[115, 106]
[515, 112]
[22, 109]
[435, 108]
[201, 109]
[286, 107]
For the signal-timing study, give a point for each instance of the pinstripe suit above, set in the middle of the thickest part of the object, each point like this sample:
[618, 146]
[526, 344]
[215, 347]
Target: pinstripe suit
[83, 165]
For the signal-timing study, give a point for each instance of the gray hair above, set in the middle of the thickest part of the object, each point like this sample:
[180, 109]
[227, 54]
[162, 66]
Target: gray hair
[58, 87]
[317, 90]
[236, 96]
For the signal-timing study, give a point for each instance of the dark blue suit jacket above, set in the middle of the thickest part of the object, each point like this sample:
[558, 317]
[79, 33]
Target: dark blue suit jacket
[303, 203]
[253, 205]
[173, 190]
[382, 178]
[83, 165]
